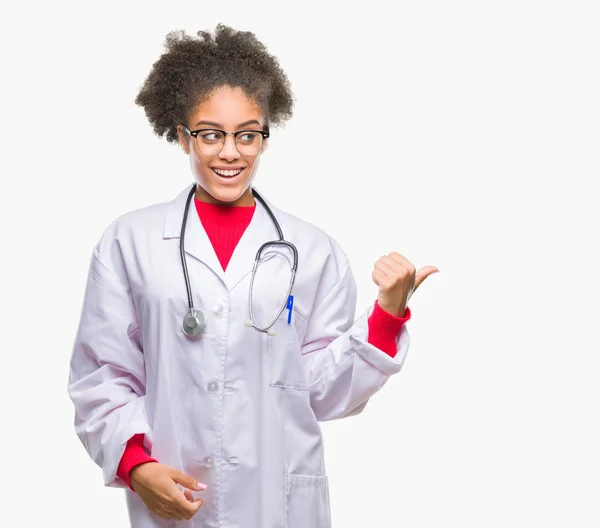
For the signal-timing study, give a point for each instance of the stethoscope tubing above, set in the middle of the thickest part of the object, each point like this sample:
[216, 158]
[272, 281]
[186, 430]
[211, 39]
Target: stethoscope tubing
[196, 317]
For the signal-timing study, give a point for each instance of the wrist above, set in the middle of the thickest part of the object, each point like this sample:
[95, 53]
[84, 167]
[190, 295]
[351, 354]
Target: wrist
[136, 471]
[395, 310]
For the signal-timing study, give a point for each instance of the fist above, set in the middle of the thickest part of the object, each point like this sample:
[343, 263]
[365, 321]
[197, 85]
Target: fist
[397, 279]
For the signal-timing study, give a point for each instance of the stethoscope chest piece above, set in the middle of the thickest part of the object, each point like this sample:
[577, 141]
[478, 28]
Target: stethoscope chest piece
[194, 323]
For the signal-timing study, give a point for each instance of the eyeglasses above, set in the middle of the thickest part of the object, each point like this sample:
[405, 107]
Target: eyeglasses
[211, 141]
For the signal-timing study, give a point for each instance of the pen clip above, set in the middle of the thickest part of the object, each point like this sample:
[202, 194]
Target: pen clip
[290, 306]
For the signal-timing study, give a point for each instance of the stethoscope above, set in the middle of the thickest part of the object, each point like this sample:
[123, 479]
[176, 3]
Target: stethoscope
[194, 322]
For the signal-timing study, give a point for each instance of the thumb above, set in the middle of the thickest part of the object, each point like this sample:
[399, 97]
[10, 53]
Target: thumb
[422, 274]
[196, 503]
[187, 481]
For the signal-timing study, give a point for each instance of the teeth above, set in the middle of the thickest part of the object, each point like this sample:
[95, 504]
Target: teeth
[228, 173]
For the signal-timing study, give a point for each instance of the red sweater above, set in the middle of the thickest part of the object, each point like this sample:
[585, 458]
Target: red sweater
[225, 225]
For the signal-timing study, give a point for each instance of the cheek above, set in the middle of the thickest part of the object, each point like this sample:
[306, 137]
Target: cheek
[197, 160]
[200, 170]
[199, 164]
[254, 168]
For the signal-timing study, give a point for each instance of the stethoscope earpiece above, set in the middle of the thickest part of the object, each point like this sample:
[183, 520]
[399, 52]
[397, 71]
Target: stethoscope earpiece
[270, 332]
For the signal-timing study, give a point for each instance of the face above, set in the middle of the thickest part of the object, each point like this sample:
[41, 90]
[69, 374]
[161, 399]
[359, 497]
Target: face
[228, 109]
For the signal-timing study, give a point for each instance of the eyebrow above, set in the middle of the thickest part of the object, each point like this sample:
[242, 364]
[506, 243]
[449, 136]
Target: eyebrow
[218, 125]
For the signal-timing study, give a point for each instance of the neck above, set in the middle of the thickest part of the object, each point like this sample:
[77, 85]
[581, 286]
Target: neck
[246, 200]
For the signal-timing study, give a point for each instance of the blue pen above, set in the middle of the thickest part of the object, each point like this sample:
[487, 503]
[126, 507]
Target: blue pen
[290, 306]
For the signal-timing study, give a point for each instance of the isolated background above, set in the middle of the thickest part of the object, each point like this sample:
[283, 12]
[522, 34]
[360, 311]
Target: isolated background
[461, 134]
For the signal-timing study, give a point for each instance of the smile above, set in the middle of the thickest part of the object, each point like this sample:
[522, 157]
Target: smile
[231, 173]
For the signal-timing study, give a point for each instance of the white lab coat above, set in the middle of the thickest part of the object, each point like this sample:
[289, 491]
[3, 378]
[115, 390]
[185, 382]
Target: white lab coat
[234, 408]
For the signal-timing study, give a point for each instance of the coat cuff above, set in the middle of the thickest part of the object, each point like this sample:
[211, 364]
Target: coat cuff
[384, 329]
[134, 455]
[359, 336]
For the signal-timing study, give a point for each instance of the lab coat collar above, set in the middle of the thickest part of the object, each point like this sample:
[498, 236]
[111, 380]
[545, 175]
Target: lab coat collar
[199, 246]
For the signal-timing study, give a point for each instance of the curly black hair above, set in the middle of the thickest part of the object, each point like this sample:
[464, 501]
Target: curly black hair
[192, 68]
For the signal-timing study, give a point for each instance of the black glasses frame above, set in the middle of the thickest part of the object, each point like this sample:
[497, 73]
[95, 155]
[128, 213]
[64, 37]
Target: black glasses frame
[194, 133]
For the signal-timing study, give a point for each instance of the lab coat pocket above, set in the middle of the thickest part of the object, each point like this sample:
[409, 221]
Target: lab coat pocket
[285, 359]
[307, 501]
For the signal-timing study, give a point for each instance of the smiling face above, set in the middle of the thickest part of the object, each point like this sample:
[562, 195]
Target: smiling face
[226, 176]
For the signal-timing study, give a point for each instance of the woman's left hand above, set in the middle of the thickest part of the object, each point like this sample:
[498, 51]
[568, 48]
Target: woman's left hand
[397, 280]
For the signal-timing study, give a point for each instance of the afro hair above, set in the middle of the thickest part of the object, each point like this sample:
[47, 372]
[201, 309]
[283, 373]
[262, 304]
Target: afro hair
[191, 68]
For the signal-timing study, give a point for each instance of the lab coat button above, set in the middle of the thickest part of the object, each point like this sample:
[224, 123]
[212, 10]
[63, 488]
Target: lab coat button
[213, 386]
[233, 461]
[209, 461]
[217, 310]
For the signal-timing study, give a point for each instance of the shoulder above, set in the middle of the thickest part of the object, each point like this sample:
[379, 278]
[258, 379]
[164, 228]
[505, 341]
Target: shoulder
[324, 250]
[137, 220]
[128, 230]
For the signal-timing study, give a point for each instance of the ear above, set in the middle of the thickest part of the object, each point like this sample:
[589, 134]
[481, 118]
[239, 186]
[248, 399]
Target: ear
[184, 139]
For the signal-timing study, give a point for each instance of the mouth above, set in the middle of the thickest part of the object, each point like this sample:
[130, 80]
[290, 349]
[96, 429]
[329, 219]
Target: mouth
[228, 174]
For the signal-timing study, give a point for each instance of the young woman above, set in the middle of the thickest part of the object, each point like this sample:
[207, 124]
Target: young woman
[199, 379]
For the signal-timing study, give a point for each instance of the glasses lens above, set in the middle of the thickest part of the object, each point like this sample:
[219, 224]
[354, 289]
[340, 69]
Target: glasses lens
[210, 141]
[248, 143]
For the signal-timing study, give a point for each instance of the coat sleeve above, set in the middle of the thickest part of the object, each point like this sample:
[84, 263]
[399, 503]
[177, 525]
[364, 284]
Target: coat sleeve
[343, 369]
[107, 374]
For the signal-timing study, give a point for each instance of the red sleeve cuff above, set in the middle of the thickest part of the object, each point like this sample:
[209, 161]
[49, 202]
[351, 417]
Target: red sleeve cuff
[134, 455]
[384, 329]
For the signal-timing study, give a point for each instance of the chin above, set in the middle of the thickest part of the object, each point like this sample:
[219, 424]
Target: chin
[225, 194]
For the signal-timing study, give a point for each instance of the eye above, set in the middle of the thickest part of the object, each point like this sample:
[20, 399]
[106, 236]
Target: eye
[248, 138]
[210, 136]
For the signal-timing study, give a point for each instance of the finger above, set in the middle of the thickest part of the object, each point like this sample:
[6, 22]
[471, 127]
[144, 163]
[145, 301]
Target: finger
[380, 278]
[188, 509]
[187, 481]
[391, 267]
[402, 260]
[393, 278]
[423, 273]
[197, 504]
[188, 495]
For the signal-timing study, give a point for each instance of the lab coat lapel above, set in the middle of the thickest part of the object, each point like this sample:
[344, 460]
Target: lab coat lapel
[259, 231]
[196, 243]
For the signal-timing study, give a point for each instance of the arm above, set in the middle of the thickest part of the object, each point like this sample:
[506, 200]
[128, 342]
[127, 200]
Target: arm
[107, 374]
[343, 369]
[107, 386]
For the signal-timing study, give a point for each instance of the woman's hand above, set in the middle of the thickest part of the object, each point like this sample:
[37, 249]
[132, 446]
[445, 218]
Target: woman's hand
[156, 485]
[397, 281]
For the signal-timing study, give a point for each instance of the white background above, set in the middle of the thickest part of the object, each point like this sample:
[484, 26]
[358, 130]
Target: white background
[461, 134]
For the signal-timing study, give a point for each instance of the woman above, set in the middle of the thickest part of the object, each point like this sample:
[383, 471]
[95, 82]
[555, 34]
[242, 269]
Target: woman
[203, 407]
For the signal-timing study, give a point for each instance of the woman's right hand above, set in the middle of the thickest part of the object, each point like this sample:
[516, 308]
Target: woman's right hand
[156, 484]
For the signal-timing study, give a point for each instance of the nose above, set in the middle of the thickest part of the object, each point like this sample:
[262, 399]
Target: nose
[229, 150]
